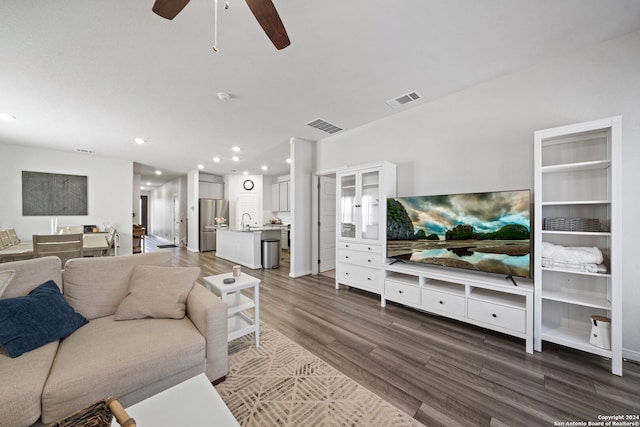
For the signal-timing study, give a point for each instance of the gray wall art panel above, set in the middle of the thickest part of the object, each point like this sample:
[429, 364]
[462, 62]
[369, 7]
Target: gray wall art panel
[52, 194]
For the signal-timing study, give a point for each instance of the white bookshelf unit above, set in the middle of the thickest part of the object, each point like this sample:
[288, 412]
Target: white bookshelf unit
[578, 180]
[361, 228]
[487, 300]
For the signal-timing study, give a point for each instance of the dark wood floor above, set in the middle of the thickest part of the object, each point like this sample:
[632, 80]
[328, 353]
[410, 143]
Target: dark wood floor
[440, 371]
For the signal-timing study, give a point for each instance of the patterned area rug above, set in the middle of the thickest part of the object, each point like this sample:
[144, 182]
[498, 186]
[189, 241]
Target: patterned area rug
[282, 384]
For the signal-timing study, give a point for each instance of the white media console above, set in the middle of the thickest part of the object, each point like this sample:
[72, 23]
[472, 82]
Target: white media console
[487, 300]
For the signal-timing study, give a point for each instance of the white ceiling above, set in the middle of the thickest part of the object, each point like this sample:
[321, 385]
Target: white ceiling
[94, 74]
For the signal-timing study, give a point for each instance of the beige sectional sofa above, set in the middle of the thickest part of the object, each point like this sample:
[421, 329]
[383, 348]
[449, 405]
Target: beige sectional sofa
[129, 359]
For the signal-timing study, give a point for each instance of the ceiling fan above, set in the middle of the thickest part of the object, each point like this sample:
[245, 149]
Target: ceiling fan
[264, 11]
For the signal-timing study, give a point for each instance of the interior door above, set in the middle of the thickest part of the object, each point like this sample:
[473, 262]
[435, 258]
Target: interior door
[327, 224]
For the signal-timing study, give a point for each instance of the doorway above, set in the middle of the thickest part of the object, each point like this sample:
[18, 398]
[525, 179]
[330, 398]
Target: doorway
[144, 213]
[324, 230]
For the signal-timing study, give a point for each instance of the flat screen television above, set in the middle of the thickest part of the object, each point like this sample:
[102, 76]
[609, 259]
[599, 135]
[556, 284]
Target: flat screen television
[488, 232]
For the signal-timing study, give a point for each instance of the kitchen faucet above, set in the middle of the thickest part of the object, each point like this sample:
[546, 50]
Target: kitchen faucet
[242, 221]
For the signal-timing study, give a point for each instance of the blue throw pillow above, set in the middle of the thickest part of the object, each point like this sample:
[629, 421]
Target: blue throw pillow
[34, 320]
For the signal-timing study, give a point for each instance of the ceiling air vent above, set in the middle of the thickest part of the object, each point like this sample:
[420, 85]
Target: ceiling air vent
[404, 99]
[324, 126]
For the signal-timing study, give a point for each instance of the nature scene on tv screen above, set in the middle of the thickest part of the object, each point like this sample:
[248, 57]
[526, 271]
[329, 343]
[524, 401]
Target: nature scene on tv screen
[477, 231]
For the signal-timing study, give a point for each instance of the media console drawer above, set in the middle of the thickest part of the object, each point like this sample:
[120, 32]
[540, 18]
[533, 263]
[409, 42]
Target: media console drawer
[398, 291]
[442, 302]
[495, 314]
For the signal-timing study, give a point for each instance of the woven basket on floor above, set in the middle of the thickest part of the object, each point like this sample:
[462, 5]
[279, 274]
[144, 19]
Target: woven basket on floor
[97, 415]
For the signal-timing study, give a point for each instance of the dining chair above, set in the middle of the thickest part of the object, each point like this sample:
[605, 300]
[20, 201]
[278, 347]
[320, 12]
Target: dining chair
[64, 246]
[5, 240]
[111, 242]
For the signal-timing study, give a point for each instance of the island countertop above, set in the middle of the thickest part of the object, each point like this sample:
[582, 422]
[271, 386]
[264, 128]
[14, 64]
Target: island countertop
[244, 247]
[266, 227]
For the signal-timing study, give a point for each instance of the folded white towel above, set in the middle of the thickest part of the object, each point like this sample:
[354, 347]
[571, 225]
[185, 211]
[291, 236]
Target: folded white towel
[585, 267]
[572, 254]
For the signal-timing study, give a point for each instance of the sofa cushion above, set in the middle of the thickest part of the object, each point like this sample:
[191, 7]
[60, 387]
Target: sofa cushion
[22, 382]
[110, 358]
[95, 286]
[158, 292]
[30, 274]
[5, 279]
[30, 321]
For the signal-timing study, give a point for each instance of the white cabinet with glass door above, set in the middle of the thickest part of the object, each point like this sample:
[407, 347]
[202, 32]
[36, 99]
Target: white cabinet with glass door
[361, 228]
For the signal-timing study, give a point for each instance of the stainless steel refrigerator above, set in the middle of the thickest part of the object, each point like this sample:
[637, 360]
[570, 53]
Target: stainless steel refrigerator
[209, 210]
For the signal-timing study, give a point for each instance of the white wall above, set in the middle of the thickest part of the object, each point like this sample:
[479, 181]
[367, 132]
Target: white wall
[302, 168]
[234, 189]
[481, 139]
[193, 216]
[109, 190]
[161, 208]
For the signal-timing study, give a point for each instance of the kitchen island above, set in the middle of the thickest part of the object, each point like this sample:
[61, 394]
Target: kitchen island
[244, 247]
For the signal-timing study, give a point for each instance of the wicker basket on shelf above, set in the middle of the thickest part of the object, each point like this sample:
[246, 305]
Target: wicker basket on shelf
[100, 414]
[572, 224]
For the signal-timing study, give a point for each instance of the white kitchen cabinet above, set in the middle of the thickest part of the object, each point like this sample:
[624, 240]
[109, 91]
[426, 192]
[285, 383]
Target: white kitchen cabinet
[577, 204]
[284, 196]
[362, 194]
[280, 197]
[210, 190]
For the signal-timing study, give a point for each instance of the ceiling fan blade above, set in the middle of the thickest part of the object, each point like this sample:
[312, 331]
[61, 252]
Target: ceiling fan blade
[169, 8]
[268, 18]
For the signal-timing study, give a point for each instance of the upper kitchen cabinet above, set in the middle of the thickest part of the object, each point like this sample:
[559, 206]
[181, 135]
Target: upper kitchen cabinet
[280, 196]
[362, 194]
[210, 187]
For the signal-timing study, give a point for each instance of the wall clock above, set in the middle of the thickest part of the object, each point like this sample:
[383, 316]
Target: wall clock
[248, 185]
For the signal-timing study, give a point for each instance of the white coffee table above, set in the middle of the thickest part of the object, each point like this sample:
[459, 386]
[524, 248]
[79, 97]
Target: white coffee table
[239, 322]
[194, 403]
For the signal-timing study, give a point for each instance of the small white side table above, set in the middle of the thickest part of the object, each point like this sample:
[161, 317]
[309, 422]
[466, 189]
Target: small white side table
[239, 323]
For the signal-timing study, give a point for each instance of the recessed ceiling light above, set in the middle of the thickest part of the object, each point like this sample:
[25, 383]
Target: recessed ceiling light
[158, 172]
[200, 167]
[245, 173]
[142, 187]
[139, 141]
[216, 159]
[7, 117]
[235, 158]
[288, 160]
[236, 149]
[264, 167]
[148, 183]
